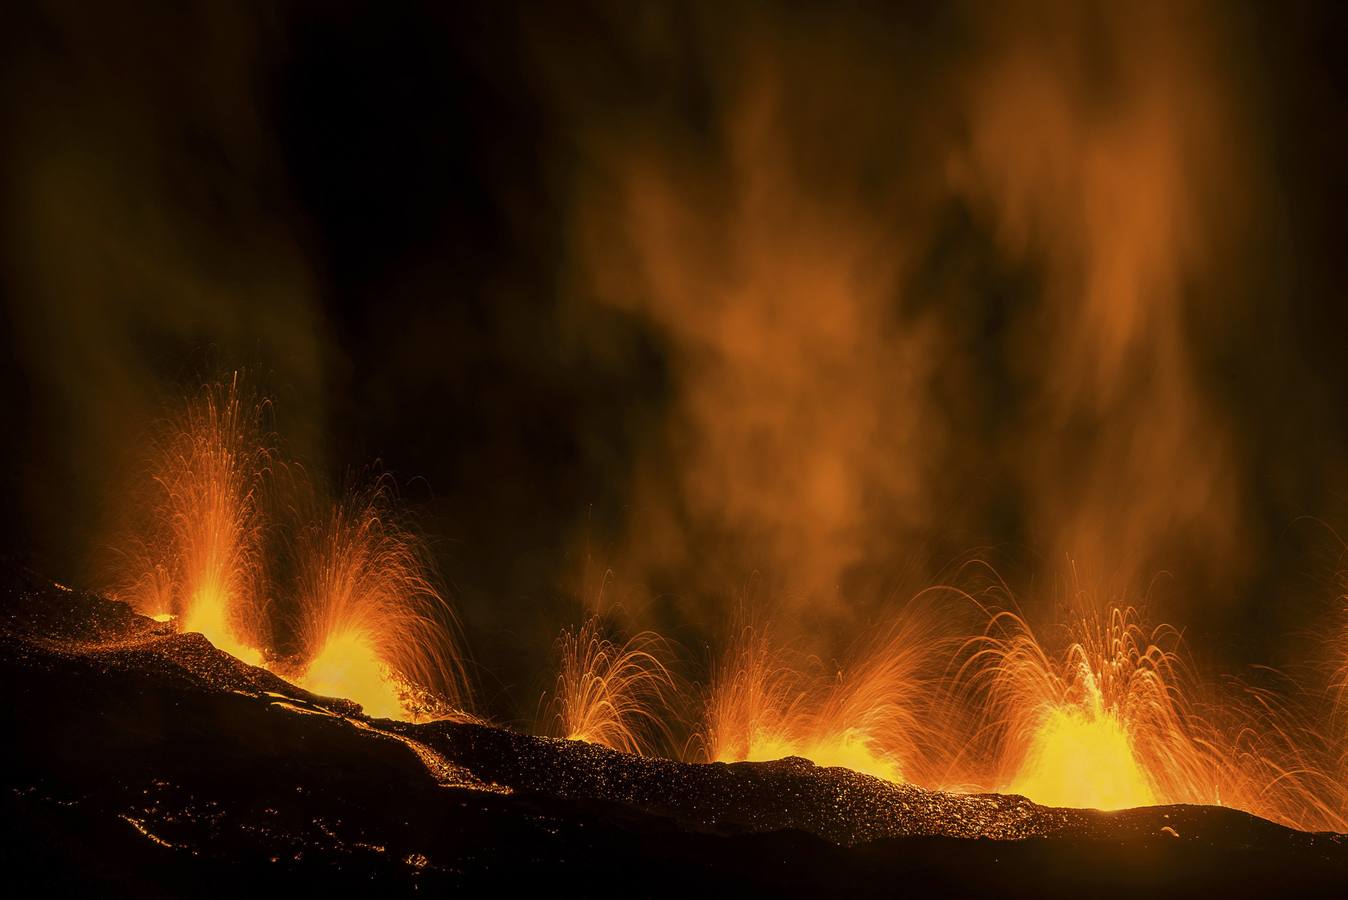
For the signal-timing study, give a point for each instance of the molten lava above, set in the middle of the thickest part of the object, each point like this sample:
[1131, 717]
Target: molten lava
[208, 615]
[348, 666]
[849, 749]
[1108, 715]
[1082, 757]
[1102, 726]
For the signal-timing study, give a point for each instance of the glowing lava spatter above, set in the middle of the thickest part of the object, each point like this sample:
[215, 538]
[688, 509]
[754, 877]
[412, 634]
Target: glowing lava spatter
[1107, 714]
[202, 559]
[1112, 715]
[754, 702]
[1105, 724]
[612, 694]
[373, 627]
[1095, 727]
[870, 718]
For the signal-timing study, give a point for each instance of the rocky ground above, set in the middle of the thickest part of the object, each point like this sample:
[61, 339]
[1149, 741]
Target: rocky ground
[146, 763]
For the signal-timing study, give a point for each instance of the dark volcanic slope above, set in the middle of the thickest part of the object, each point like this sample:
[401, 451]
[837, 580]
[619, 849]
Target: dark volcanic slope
[148, 763]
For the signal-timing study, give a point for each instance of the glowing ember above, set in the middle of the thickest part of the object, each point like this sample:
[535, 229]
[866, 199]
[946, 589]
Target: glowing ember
[611, 694]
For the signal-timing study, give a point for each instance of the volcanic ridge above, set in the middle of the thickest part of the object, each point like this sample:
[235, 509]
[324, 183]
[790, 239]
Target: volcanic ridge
[145, 762]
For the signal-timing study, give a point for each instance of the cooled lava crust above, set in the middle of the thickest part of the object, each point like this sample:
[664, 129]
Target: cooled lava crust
[145, 763]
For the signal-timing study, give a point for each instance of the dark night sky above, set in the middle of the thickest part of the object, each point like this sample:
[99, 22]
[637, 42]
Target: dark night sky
[818, 300]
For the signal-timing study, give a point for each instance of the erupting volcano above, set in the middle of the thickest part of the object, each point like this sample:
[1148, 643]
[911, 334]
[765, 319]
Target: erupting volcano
[1103, 714]
[887, 448]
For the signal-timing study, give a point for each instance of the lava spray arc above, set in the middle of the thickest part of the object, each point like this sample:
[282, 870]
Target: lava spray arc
[1112, 715]
[373, 627]
[755, 701]
[200, 560]
[874, 717]
[611, 694]
[1099, 726]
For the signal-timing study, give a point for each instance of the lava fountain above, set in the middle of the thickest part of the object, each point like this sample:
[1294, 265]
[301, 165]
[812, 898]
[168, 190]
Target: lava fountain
[1104, 724]
[201, 561]
[755, 703]
[872, 717]
[373, 628]
[612, 694]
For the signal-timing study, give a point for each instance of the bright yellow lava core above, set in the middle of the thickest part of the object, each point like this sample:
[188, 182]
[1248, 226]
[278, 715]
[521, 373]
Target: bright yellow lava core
[207, 616]
[348, 666]
[1082, 758]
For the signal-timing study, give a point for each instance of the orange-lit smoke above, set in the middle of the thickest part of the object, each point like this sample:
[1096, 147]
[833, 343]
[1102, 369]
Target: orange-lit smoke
[617, 695]
[850, 371]
[373, 627]
[1105, 149]
[800, 388]
[200, 559]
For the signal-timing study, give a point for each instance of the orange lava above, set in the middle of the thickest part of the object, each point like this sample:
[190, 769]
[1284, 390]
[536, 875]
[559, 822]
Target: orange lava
[1104, 725]
[200, 556]
[372, 624]
[207, 615]
[874, 717]
[1084, 758]
[348, 666]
